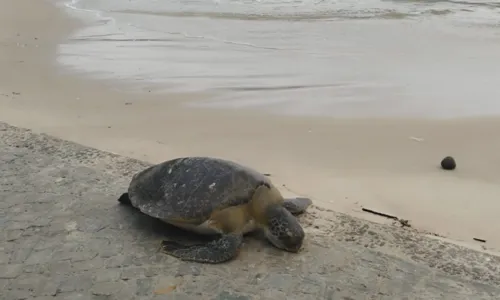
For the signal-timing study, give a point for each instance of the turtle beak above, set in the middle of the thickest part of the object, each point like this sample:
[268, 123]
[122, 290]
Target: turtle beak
[295, 247]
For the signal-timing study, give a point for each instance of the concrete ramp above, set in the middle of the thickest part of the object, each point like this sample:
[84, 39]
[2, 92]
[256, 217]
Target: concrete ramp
[65, 236]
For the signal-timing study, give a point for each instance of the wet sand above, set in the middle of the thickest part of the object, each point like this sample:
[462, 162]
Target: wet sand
[429, 61]
[389, 165]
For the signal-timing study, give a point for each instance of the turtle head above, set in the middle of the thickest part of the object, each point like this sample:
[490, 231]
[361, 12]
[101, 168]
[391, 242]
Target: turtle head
[283, 229]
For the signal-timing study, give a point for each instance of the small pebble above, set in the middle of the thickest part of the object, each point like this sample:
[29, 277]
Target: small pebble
[448, 163]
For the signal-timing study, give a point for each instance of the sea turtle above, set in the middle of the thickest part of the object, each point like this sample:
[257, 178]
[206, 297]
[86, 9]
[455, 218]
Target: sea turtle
[215, 196]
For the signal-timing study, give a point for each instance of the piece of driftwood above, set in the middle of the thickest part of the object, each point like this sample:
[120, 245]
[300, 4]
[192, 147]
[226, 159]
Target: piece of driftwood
[479, 240]
[380, 214]
[403, 222]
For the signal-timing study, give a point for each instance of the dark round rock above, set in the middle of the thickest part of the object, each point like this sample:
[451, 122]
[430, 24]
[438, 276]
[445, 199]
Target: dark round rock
[448, 163]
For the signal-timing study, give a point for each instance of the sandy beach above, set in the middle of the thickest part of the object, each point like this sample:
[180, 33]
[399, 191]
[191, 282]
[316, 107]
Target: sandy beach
[388, 165]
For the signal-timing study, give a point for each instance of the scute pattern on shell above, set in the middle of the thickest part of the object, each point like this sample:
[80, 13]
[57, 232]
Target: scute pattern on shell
[192, 188]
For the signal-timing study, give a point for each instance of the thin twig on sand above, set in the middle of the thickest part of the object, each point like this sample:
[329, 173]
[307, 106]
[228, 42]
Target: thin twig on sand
[380, 214]
[403, 222]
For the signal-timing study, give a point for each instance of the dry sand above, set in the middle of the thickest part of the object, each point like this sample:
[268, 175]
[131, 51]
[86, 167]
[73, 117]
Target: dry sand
[390, 166]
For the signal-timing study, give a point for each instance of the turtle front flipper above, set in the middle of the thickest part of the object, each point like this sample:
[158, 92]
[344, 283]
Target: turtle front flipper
[298, 205]
[217, 251]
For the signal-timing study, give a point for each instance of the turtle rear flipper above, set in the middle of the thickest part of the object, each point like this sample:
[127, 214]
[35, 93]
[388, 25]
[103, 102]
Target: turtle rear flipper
[124, 199]
[298, 205]
[217, 251]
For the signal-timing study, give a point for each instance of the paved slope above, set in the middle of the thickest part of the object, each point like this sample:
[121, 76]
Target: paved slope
[64, 236]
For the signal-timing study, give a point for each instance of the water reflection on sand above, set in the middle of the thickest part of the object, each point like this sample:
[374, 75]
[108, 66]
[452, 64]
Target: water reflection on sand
[337, 57]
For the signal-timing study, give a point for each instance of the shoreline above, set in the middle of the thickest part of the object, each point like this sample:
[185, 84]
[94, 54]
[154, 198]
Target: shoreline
[373, 74]
[342, 164]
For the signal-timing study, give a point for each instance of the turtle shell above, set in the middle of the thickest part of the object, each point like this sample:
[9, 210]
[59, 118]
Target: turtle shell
[191, 188]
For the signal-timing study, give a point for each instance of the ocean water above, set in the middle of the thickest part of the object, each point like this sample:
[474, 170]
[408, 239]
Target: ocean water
[354, 58]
